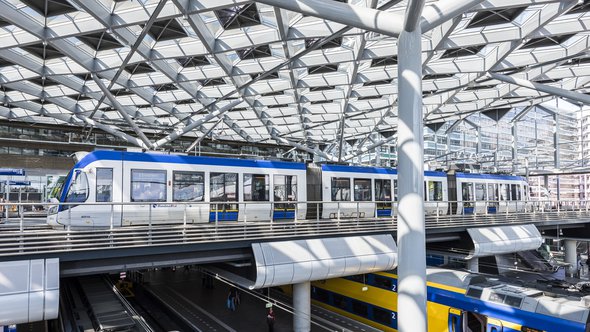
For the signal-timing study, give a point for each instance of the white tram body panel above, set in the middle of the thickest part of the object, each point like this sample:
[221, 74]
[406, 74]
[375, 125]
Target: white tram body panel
[163, 189]
[490, 193]
[367, 192]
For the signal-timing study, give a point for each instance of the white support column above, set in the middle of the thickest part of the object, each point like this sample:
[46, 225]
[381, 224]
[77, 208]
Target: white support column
[473, 264]
[302, 307]
[571, 256]
[411, 300]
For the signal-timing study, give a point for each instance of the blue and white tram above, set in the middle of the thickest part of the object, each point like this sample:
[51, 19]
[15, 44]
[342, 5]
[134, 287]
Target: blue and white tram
[162, 187]
[351, 191]
[490, 193]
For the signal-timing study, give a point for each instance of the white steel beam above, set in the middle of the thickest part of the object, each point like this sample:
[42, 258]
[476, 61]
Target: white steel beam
[583, 98]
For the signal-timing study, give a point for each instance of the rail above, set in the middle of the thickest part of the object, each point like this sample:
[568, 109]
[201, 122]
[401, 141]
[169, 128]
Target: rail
[33, 240]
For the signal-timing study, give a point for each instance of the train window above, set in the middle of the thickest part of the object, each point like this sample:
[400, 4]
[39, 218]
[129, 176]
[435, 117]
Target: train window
[340, 189]
[495, 297]
[435, 191]
[382, 282]
[320, 295]
[467, 190]
[357, 277]
[285, 188]
[224, 187]
[104, 184]
[340, 301]
[475, 322]
[78, 191]
[395, 190]
[513, 301]
[148, 185]
[188, 186]
[360, 308]
[382, 190]
[474, 292]
[480, 192]
[382, 316]
[256, 187]
[362, 190]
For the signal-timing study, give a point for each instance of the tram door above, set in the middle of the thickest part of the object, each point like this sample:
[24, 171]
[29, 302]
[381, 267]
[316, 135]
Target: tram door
[224, 197]
[455, 320]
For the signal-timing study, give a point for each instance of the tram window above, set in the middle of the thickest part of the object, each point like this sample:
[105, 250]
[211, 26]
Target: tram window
[382, 190]
[359, 308]
[435, 191]
[285, 188]
[224, 187]
[514, 190]
[480, 192]
[104, 184]
[382, 282]
[320, 295]
[382, 316]
[395, 190]
[467, 190]
[504, 192]
[78, 191]
[340, 301]
[493, 192]
[188, 186]
[148, 185]
[256, 187]
[362, 190]
[340, 189]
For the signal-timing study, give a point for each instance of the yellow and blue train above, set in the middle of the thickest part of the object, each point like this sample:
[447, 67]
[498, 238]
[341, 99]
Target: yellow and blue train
[458, 301]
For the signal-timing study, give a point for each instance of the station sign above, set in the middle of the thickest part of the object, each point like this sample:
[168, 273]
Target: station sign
[19, 183]
[12, 171]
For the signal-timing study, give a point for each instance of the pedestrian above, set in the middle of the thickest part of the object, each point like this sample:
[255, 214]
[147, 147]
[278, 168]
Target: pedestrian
[579, 265]
[270, 320]
[231, 300]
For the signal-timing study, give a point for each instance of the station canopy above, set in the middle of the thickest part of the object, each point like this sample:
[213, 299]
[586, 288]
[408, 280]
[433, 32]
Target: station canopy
[312, 74]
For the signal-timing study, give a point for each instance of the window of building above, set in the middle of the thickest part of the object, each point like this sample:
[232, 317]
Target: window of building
[188, 186]
[148, 185]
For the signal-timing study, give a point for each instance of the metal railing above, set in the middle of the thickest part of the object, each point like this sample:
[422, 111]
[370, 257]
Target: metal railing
[27, 239]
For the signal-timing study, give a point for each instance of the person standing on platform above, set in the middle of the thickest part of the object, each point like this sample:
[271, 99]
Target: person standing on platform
[270, 320]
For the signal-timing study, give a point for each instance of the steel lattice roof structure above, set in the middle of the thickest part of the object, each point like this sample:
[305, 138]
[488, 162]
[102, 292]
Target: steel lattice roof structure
[312, 74]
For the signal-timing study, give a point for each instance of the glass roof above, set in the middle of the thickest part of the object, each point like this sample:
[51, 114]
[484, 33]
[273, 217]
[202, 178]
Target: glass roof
[259, 73]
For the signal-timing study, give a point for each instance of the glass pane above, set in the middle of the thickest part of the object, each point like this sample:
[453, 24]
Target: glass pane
[256, 187]
[340, 189]
[395, 190]
[504, 192]
[467, 190]
[435, 192]
[104, 184]
[362, 190]
[492, 192]
[78, 191]
[148, 185]
[224, 187]
[383, 190]
[285, 188]
[480, 193]
[513, 188]
[382, 316]
[188, 186]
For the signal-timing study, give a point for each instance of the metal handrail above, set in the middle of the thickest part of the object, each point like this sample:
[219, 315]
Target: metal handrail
[27, 240]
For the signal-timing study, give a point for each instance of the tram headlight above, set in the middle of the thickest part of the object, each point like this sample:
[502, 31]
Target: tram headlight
[52, 210]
